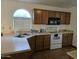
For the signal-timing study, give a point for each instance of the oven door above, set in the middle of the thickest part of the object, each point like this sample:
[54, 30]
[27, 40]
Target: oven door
[56, 38]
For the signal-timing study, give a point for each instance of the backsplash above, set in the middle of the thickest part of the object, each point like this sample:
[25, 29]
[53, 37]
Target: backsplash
[47, 28]
[51, 27]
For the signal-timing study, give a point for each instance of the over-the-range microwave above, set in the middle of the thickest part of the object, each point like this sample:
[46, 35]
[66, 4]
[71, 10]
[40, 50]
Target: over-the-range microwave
[54, 21]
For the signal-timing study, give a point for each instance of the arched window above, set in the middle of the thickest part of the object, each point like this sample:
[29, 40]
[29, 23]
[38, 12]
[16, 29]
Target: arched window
[21, 13]
[22, 20]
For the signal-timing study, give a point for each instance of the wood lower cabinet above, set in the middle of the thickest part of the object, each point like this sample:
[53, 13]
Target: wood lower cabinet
[39, 42]
[46, 42]
[42, 42]
[67, 39]
[32, 42]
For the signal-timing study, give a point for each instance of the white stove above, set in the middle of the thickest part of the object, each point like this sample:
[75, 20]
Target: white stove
[56, 40]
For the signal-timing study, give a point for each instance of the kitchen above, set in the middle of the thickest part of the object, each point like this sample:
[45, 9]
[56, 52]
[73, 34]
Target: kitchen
[67, 28]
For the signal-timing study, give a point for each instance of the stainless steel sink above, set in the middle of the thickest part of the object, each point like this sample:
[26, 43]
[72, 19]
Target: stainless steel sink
[22, 35]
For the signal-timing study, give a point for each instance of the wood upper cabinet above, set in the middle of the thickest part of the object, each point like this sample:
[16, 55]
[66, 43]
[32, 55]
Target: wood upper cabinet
[44, 17]
[58, 14]
[40, 16]
[67, 19]
[67, 39]
[63, 17]
[51, 14]
[37, 16]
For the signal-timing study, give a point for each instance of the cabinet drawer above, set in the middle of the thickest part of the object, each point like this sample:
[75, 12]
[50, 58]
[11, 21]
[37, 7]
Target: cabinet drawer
[56, 41]
[55, 46]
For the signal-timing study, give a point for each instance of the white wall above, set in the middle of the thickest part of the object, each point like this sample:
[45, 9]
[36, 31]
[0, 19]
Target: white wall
[73, 24]
[9, 6]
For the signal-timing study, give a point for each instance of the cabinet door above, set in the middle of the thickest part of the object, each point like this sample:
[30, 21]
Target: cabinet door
[39, 42]
[64, 40]
[63, 18]
[46, 41]
[67, 20]
[44, 17]
[51, 13]
[32, 43]
[37, 16]
[67, 39]
[58, 14]
[70, 38]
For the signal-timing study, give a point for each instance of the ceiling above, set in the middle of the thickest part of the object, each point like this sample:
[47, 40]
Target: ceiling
[55, 3]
